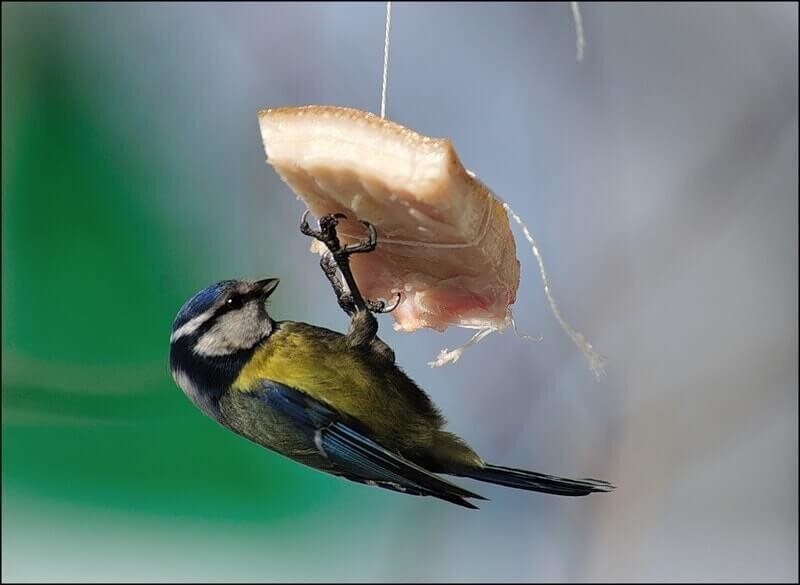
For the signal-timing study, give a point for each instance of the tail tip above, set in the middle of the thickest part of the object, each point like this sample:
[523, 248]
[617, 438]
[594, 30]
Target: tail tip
[598, 485]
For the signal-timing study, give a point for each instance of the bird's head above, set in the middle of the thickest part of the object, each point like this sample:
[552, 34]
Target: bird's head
[225, 318]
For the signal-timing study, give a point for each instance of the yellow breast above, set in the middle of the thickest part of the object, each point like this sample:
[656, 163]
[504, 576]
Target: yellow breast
[314, 360]
[320, 363]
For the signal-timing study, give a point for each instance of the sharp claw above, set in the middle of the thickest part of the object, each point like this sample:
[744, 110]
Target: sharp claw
[304, 227]
[395, 305]
[355, 248]
[327, 234]
[380, 306]
[367, 245]
[373, 233]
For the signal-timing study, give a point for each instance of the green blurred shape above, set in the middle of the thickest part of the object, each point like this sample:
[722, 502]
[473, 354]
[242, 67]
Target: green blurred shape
[90, 413]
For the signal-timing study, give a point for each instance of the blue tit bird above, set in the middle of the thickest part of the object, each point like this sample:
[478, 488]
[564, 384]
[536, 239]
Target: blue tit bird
[335, 402]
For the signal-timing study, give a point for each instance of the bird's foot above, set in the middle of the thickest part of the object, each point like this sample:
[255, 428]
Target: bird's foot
[380, 306]
[328, 236]
[339, 257]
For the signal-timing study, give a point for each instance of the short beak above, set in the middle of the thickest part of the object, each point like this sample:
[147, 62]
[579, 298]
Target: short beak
[267, 286]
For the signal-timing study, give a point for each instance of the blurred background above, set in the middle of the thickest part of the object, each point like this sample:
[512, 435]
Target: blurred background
[659, 176]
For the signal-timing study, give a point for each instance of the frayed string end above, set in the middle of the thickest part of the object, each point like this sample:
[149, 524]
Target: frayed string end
[596, 361]
[447, 356]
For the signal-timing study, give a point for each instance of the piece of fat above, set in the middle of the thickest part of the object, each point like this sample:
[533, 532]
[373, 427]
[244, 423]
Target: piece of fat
[444, 241]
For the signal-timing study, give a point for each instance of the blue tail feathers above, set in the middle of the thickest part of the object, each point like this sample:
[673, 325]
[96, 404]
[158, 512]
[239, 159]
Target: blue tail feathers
[537, 482]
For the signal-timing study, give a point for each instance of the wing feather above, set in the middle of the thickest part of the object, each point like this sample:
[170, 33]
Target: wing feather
[344, 443]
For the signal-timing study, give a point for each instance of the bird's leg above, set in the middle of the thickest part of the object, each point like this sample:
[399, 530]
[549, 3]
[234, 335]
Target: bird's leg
[340, 256]
[330, 269]
[363, 325]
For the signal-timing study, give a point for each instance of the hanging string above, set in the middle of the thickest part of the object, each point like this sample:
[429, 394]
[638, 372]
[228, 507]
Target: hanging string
[386, 58]
[595, 360]
[579, 42]
[516, 331]
[451, 356]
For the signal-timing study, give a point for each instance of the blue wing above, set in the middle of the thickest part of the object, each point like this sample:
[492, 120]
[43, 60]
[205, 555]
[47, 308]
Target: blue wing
[343, 442]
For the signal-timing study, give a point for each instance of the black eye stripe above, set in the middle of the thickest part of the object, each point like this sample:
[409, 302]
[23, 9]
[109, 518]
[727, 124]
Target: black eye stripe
[221, 310]
[240, 301]
[225, 308]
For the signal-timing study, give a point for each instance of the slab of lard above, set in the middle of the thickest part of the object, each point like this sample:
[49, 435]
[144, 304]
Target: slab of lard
[444, 240]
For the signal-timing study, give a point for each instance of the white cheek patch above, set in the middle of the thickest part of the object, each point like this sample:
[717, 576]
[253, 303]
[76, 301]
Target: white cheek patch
[234, 331]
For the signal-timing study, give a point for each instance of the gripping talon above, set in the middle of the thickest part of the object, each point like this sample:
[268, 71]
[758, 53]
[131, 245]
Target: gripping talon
[305, 228]
[373, 233]
[328, 236]
[380, 306]
[395, 305]
[367, 245]
[352, 302]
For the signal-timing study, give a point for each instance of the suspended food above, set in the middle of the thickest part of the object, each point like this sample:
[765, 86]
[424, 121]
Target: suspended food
[444, 241]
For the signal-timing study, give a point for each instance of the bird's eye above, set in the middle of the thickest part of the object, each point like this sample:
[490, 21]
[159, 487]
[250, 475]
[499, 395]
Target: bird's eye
[234, 302]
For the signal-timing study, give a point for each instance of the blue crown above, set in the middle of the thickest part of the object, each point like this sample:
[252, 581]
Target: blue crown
[200, 302]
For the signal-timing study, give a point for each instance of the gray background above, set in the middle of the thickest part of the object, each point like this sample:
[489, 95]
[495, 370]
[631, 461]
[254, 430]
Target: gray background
[660, 178]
